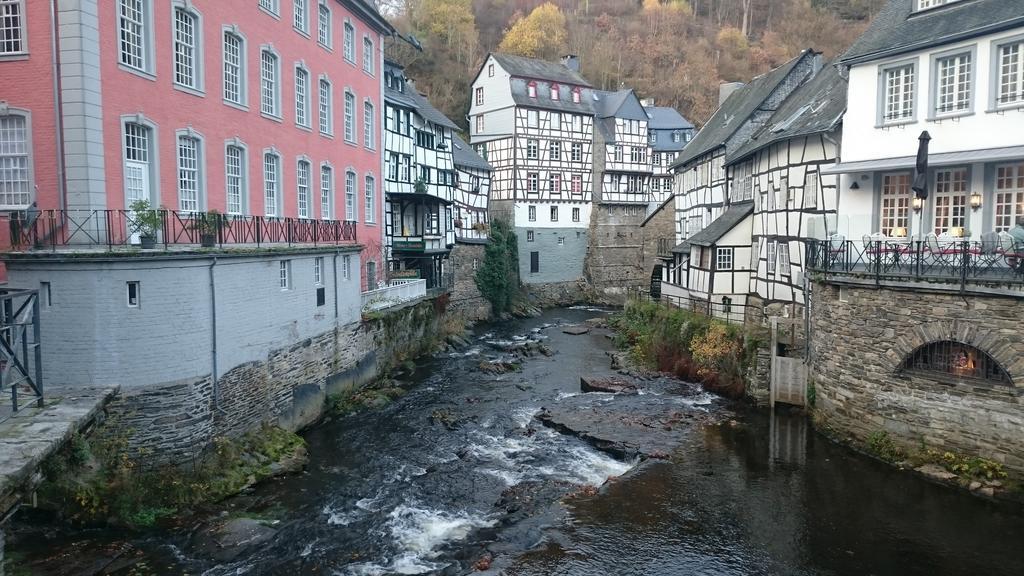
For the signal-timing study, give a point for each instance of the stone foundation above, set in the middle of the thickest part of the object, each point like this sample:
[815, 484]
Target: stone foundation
[466, 298]
[555, 294]
[858, 345]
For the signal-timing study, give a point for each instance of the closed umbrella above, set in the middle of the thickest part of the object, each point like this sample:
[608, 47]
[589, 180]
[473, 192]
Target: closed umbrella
[920, 185]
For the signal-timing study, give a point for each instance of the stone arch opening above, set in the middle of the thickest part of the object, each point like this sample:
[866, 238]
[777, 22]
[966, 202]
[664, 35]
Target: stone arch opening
[957, 360]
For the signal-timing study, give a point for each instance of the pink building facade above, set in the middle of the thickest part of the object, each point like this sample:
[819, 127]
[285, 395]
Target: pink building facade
[265, 108]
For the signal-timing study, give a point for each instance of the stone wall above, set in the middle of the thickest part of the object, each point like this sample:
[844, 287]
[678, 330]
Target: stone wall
[623, 249]
[860, 336]
[466, 298]
[559, 294]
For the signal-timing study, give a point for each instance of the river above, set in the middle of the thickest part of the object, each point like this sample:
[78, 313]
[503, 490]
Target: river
[412, 488]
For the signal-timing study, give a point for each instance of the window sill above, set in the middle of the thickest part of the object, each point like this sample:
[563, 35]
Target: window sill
[950, 116]
[369, 73]
[328, 135]
[897, 124]
[351, 143]
[349, 61]
[189, 90]
[14, 56]
[304, 128]
[137, 72]
[1018, 107]
[236, 105]
[273, 15]
[301, 32]
[277, 119]
[325, 46]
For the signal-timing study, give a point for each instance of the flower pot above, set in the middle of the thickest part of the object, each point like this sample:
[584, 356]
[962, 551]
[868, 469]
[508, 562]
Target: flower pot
[207, 240]
[147, 241]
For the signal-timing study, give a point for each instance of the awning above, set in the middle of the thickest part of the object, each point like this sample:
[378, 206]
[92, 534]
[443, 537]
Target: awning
[941, 159]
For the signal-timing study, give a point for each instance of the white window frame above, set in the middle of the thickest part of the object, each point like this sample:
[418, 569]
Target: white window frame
[576, 185]
[272, 187]
[183, 48]
[724, 259]
[300, 16]
[962, 92]
[532, 182]
[272, 7]
[575, 214]
[532, 149]
[369, 125]
[270, 88]
[9, 159]
[137, 300]
[350, 116]
[14, 9]
[895, 107]
[326, 191]
[1014, 69]
[318, 271]
[532, 119]
[773, 258]
[350, 194]
[950, 198]
[576, 152]
[324, 29]
[894, 205]
[303, 193]
[785, 265]
[479, 96]
[479, 123]
[325, 105]
[346, 267]
[811, 188]
[369, 199]
[198, 203]
[349, 40]
[369, 56]
[242, 177]
[284, 275]
[146, 44]
[152, 162]
[240, 68]
[531, 213]
[1008, 192]
[554, 213]
[302, 96]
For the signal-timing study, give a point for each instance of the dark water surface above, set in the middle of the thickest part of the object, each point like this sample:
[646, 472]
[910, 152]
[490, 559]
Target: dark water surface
[397, 491]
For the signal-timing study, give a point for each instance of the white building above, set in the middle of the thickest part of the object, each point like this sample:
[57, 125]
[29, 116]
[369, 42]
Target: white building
[472, 191]
[954, 68]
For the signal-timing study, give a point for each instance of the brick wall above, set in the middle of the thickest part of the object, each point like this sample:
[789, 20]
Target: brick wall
[859, 344]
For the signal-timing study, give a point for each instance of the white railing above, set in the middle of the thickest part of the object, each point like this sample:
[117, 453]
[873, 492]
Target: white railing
[397, 292]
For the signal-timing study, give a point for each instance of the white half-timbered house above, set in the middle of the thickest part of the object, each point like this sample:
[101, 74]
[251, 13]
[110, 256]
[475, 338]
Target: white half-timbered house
[419, 182]
[622, 151]
[472, 191]
[718, 280]
[532, 121]
[780, 168]
[667, 132]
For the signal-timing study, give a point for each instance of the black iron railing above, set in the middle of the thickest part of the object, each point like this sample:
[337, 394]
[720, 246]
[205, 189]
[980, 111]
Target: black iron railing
[21, 362]
[50, 229]
[959, 262]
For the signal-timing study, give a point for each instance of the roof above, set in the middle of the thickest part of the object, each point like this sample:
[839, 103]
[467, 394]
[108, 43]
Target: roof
[537, 69]
[463, 155]
[609, 103]
[721, 225]
[815, 107]
[425, 109]
[366, 11]
[898, 29]
[940, 159]
[734, 111]
[665, 118]
[682, 248]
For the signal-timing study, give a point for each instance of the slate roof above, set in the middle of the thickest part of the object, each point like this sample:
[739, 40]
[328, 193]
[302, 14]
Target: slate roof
[734, 111]
[366, 10]
[464, 155]
[425, 109]
[721, 225]
[817, 106]
[682, 248]
[537, 69]
[608, 103]
[665, 118]
[898, 29]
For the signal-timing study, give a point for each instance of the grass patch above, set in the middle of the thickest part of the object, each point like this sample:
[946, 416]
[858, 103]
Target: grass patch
[882, 445]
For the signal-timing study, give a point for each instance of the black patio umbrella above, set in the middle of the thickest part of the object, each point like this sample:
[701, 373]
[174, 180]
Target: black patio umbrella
[920, 186]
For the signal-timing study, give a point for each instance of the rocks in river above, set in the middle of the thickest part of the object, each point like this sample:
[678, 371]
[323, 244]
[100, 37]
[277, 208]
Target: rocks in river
[576, 330]
[935, 471]
[611, 385]
[498, 367]
[226, 541]
[598, 322]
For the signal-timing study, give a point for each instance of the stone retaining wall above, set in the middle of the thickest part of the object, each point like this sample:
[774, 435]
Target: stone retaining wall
[466, 298]
[859, 342]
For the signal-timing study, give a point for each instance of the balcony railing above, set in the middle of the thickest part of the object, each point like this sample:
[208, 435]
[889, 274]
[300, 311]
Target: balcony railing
[961, 263]
[50, 229]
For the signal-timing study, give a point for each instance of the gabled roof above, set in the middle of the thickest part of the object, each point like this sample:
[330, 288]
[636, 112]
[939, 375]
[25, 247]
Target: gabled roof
[607, 104]
[366, 11]
[721, 225]
[898, 29]
[464, 155]
[665, 118]
[425, 109]
[537, 69]
[817, 106]
[735, 111]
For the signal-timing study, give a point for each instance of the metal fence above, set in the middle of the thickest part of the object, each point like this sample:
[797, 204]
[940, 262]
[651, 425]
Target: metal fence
[21, 362]
[50, 229]
[960, 262]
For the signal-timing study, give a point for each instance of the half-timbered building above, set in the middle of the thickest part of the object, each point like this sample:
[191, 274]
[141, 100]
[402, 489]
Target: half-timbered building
[667, 133]
[472, 190]
[419, 183]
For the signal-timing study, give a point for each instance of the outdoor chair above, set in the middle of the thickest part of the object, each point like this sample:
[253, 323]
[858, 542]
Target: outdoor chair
[836, 249]
[990, 252]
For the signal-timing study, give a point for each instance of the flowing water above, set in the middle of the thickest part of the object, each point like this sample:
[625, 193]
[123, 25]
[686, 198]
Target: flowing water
[412, 488]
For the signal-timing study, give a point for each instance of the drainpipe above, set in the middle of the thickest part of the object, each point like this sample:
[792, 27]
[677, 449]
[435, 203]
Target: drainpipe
[213, 340]
[335, 288]
[58, 106]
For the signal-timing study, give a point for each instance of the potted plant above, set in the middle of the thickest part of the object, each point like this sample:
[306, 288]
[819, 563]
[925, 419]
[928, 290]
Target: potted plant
[458, 222]
[420, 186]
[145, 221]
[207, 225]
[480, 227]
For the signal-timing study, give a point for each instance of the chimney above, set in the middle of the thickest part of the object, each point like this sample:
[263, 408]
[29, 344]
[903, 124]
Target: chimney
[572, 62]
[647, 102]
[725, 89]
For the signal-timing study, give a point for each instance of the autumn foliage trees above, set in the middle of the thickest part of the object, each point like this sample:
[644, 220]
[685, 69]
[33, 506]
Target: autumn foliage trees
[675, 51]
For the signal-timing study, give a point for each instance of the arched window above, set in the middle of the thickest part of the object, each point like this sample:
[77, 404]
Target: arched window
[956, 360]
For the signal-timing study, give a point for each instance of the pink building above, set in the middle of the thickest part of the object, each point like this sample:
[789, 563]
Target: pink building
[266, 111]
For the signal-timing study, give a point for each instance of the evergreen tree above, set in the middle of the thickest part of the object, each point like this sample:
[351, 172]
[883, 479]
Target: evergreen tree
[498, 277]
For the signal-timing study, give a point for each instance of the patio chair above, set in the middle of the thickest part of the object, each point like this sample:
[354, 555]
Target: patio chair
[989, 252]
[938, 253]
[1012, 251]
[836, 248]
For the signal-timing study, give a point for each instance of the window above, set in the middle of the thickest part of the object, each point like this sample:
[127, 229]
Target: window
[554, 213]
[12, 28]
[576, 95]
[318, 270]
[924, 4]
[1009, 74]
[577, 152]
[326, 108]
[45, 295]
[350, 117]
[532, 182]
[302, 187]
[705, 257]
[723, 259]
[1009, 195]
[188, 173]
[490, 70]
[772, 257]
[953, 84]
[638, 155]
[675, 136]
[554, 91]
[561, 240]
[784, 258]
[368, 55]
[534, 262]
[271, 182]
[529, 235]
[554, 150]
[234, 68]
[350, 42]
[555, 184]
[895, 202]
[284, 274]
[269, 84]
[810, 190]
[15, 166]
[898, 97]
[346, 267]
[187, 59]
[532, 119]
[368, 125]
[425, 139]
[744, 182]
[133, 293]
[323, 35]
[556, 121]
[326, 191]
[271, 6]
[425, 173]
[956, 360]
[302, 97]
[234, 183]
[577, 122]
[368, 204]
[479, 123]
[754, 254]
[575, 214]
[617, 154]
[531, 149]
[531, 213]
[531, 89]
[133, 24]
[950, 199]
[301, 15]
[577, 185]
[350, 195]
[480, 96]
[406, 168]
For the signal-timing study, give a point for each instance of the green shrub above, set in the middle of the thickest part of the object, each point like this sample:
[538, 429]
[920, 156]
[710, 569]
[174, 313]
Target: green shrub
[882, 445]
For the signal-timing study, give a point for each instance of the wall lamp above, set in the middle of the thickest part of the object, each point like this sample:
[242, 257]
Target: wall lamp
[975, 200]
[854, 185]
[917, 204]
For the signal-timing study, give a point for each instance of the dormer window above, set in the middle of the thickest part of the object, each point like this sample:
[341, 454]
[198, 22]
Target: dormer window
[531, 89]
[926, 4]
[554, 91]
[576, 95]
